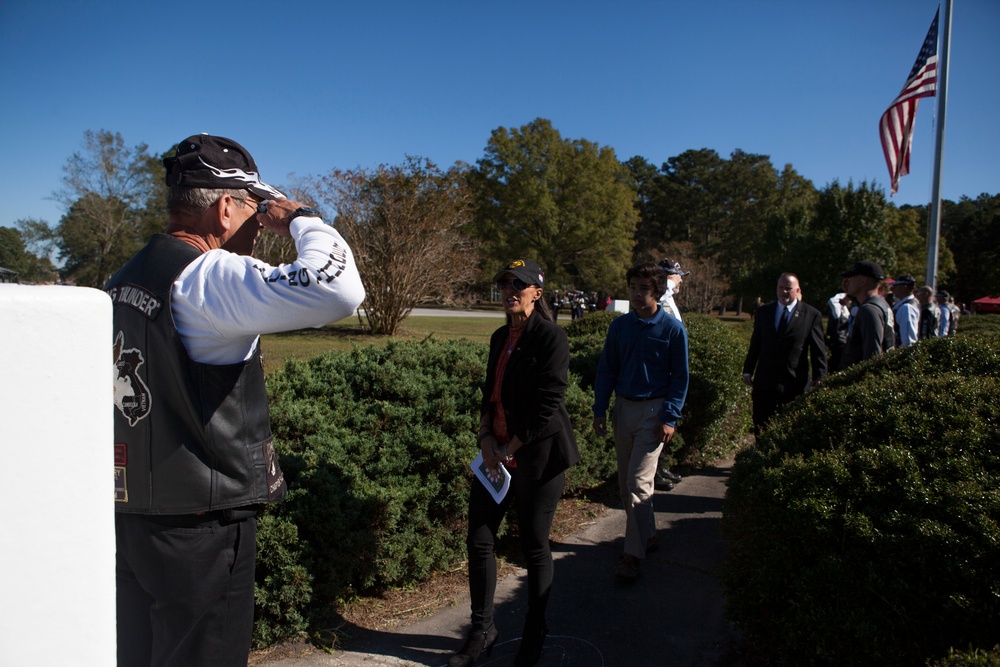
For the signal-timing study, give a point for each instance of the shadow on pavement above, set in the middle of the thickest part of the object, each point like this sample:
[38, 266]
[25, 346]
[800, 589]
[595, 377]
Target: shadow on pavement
[673, 615]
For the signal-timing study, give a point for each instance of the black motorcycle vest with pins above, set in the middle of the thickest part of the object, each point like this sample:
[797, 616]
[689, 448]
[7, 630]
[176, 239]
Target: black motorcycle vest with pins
[189, 437]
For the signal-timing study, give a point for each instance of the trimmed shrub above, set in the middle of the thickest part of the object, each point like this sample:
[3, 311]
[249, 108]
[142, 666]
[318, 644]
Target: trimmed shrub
[716, 416]
[375, 445]
[592, 324]
[968, 355]
[976, 324]
[284, 586]
[971, 658]
[598, 462]
[585, 355]
[586, 341]
[863, 528]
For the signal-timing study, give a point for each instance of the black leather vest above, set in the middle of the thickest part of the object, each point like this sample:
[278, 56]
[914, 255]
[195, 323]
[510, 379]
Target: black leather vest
[189, 437]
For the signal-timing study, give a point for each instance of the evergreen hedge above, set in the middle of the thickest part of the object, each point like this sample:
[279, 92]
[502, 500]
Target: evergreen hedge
[586, 340]
[716, 415]
[976, 324]
[864, 526]
[595, 324]
[375, 445]
[970, 658]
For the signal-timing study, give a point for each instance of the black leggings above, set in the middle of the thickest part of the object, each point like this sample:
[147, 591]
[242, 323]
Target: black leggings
[535, 502]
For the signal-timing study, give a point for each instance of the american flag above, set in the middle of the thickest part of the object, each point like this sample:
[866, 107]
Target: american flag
[896, 126]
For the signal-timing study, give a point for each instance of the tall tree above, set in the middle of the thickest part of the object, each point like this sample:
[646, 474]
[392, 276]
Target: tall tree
[15, 256]
[849, 225]
[644, 181]
[747, 192]
[685, 202]
[786, 229]
[404, 224]
[906, 232]
[972, 228]
[106, 188]
[568, 204]
[738, 212]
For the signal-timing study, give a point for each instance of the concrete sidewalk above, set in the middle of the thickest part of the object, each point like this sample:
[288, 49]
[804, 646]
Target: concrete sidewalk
[671, 616]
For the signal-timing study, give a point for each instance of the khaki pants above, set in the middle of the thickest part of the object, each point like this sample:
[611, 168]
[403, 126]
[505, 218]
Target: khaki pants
[636, 425]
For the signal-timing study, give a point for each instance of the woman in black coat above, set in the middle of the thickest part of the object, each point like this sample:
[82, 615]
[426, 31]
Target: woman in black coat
[525, 427]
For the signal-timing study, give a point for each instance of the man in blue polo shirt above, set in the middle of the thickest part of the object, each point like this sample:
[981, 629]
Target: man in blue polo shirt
[645, 363]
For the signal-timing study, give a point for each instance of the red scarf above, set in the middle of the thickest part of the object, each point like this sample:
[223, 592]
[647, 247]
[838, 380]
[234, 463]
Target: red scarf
[499, 418]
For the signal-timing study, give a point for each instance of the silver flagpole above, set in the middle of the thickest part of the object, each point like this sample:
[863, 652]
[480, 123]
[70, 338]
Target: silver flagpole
[934, 228]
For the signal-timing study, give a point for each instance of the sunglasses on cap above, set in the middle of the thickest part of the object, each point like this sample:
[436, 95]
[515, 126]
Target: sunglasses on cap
[517, 284]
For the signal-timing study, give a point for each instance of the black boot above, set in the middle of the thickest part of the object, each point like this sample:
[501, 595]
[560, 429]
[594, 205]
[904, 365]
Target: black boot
[532, 640]
[478, 641]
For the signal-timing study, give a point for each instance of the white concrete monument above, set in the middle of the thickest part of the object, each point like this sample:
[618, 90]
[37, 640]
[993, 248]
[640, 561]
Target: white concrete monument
[57, 581]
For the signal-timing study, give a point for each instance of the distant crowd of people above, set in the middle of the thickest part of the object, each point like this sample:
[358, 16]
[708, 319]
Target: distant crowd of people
[788, 349]
[578, 303]
[917, 313]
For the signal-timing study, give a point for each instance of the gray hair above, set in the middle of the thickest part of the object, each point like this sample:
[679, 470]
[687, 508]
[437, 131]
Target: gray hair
[187, 201]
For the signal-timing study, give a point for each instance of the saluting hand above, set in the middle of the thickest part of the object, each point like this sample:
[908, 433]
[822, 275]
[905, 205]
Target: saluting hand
[278, 216]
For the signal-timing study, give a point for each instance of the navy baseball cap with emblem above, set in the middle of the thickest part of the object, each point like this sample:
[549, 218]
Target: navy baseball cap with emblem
[204, 161]
[524, 269]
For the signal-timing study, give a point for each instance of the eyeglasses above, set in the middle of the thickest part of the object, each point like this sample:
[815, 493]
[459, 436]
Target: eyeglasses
[253, 203]
[516, 284]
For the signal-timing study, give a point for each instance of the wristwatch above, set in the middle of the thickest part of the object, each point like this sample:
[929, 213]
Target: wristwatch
[306, 212]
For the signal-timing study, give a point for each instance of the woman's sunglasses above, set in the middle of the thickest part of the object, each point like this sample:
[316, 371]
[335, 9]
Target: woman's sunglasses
[517, 284]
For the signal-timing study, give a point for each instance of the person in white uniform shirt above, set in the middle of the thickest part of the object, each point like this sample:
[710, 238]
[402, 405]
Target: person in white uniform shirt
[944, 320]
[675, 276]
[906, 310]
[665, 478]
[838, 327]
[194, 458]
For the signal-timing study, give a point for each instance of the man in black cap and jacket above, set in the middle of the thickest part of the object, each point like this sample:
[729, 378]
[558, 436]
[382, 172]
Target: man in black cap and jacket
[194, 459]
[872, 331]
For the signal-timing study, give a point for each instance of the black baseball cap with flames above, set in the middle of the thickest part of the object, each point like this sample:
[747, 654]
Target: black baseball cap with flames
[204, 161]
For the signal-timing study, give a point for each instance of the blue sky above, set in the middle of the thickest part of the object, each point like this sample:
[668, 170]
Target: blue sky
[312, 86]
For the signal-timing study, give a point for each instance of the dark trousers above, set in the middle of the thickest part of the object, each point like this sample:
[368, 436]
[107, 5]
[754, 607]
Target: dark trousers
[535, 503]
[768, 401]
[185, 589]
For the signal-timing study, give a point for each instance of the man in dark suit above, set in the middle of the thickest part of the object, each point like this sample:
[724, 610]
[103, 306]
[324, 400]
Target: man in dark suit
[786, 335]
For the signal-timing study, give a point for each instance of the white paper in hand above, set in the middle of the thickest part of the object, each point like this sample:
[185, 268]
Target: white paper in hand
[496, 484]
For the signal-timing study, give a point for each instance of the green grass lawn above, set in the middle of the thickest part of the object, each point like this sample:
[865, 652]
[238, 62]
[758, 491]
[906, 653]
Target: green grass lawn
[346, 334]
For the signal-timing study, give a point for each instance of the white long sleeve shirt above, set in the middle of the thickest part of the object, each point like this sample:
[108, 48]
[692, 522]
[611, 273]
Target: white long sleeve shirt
[222, 302]
[667, 302]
